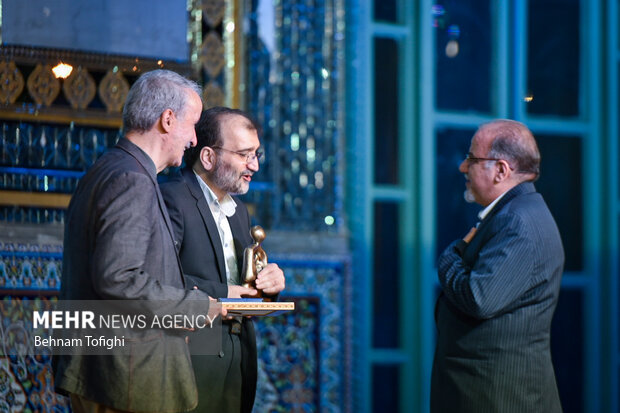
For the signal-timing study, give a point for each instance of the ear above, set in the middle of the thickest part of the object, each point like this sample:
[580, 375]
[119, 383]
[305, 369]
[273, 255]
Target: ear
[207, 158]
[502, 171]
[167, 120]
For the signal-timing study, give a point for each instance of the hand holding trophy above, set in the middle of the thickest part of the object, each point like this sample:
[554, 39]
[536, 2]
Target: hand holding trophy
[254, 259]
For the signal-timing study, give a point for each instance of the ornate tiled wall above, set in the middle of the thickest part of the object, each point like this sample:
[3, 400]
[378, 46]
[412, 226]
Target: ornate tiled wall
[28, 271]
[30, 267]
[293, 84]
[305, 356]
[26, 382]
[26, 385]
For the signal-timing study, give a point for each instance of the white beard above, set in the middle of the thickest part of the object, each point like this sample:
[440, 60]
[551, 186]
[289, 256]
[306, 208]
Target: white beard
[227, 179]
[468, 196]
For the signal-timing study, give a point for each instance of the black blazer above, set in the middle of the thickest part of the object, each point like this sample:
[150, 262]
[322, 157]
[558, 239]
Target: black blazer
[202, 257]
[494, 313]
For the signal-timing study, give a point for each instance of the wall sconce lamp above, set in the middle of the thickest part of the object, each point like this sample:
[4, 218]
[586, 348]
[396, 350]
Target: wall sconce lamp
[62, 70]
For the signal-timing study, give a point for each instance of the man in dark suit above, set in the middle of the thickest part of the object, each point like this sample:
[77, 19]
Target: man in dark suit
[499, 286]
[213, 229]
[119, 245]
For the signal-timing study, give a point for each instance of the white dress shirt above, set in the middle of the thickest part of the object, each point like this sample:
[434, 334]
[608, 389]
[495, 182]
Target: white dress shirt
[221, 210]
[482, 214]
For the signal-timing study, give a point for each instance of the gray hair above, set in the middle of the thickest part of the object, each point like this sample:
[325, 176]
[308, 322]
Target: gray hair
[151, 95]
[515, 143]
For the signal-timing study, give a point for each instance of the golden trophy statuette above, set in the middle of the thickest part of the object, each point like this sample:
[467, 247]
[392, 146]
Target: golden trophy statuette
[254, 259]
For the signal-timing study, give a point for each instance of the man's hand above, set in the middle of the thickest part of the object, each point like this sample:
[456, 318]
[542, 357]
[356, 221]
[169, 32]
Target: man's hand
[270, 280]
[467, 238]
[213, 309]
[213, 312]
[237, 291]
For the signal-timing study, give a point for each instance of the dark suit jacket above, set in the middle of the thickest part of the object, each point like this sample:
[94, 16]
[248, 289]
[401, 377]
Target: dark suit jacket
[119, 244]
[202, 257]
[495, 310]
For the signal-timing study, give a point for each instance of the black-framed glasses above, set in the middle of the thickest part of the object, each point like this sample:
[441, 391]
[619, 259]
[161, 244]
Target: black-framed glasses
[473, 159]
[247, 156]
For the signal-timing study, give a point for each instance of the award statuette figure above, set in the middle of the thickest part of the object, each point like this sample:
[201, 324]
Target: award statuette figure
[254, 259]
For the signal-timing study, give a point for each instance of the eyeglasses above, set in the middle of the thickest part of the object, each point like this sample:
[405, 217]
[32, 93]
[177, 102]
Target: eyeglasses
[247, 156]
[473, 159]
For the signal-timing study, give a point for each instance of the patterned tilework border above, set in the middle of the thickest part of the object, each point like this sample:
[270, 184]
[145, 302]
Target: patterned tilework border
[26, 382]
[26, 386]
[324, 280]
[305, 356]
[288, 345]
[30, 267]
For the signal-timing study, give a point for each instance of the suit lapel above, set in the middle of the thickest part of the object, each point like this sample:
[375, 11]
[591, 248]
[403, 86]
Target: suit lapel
[164, 211]
[472, 249]
[240, 233]
[522, 188]
[207, 217]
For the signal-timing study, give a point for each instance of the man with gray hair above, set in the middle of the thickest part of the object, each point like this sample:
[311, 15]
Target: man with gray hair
[499, 285]
[119, 245]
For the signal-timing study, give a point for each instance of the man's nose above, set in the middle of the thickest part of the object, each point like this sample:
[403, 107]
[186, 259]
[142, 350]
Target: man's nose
[254, 165]
[463, 166]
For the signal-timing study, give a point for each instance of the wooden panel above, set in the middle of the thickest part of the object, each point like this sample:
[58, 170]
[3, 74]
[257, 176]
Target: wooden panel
[35, 199]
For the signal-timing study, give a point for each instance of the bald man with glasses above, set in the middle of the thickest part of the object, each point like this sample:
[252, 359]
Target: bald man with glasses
[499, 285]
[212, 228]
